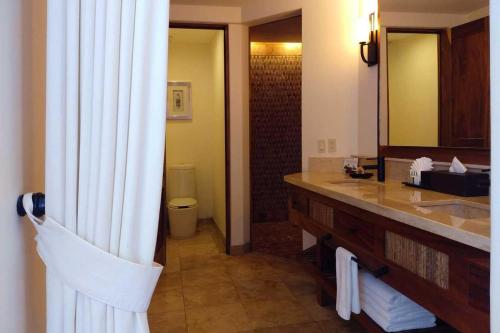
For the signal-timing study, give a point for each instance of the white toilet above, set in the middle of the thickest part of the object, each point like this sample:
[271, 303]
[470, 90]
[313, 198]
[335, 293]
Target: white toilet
[182, 205]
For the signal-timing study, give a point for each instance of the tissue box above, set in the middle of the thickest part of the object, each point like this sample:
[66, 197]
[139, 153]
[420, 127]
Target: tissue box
[469, 184]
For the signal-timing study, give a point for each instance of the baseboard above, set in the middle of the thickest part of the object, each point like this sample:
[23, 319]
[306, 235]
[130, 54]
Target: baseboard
[238, 250]
[219, 238]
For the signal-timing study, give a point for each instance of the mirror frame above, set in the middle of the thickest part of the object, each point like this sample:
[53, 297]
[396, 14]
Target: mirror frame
[477, 156]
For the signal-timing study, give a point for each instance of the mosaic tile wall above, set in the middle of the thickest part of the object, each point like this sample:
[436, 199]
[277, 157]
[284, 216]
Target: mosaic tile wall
[275, 132]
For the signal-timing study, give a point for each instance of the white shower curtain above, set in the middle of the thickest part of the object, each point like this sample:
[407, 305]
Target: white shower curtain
[105, 127]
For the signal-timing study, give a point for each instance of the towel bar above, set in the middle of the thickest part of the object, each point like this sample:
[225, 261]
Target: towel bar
[38, 205]
[378, 272]
[383, 270]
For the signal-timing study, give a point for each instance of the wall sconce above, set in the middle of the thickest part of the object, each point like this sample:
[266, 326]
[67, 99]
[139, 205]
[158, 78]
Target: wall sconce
[371, 45]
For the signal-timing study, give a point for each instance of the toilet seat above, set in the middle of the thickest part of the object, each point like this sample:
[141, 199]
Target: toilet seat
[179, 203]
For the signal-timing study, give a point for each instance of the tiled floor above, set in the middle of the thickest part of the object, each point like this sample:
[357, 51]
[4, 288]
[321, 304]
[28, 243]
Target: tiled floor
[204, 290]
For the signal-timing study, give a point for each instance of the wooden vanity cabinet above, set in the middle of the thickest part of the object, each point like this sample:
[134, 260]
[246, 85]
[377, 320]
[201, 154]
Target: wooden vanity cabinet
[448, 278]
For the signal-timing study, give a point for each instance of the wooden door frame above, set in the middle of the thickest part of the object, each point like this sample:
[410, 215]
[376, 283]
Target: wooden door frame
[227, 139]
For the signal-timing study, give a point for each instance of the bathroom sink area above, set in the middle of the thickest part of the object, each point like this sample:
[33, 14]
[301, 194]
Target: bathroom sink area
[458, 208]
[355, 183]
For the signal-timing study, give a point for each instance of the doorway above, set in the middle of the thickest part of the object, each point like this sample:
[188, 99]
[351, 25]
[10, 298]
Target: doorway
[275, 132]
[197, 134]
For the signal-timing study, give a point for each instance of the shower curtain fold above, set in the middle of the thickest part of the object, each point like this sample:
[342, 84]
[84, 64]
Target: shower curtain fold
[105, 127]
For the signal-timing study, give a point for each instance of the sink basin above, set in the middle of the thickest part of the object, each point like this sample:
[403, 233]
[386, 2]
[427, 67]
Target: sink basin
[458, 208]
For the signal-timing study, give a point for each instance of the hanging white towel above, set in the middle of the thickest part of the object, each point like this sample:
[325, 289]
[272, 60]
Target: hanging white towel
[347, 284]
[93, 272]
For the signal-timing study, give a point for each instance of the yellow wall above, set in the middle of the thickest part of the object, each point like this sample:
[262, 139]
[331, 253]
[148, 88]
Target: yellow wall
[413, 89]
[219, 166]
[198, 141]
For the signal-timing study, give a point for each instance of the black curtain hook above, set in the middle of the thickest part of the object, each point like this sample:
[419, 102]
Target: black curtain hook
[38, 205]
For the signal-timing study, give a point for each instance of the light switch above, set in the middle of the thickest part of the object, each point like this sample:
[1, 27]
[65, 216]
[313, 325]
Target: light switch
[321, 146]
[332, 145]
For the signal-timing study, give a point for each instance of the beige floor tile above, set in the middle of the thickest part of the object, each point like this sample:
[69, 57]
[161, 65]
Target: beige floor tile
[170, 322]
[198, 249]
[251, 271]
[262, 290]
[229, 318]
[169, 281]
[316, 311]
[173, 262]
[338, 325]
[210, 295]
[295, 328]
[253, 258]
[203, 261]
[285, 265]
[299, 283]
[171, 300]
[197, 239]
[275, 313]
[205, 276]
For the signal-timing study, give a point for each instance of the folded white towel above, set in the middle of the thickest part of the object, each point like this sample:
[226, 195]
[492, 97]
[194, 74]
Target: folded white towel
[347, 284]
[400, 309]
[416, 323]
[383, 291]
[390, 309]
[405, 313]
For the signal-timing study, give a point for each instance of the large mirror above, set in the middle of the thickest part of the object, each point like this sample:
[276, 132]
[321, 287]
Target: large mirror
[434, 73]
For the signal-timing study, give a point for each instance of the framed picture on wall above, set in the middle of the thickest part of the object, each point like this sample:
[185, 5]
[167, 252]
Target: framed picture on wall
[179, 100]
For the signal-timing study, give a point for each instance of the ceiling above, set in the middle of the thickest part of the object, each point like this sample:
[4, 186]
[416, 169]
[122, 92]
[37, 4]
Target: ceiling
[224, 3]
[192, 35]
[433, 6]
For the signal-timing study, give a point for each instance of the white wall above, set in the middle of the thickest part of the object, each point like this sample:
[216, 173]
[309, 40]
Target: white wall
[219, 160]
[205, 14]
[429, 20]
[239, 133]
[495, 165]
[22, 88]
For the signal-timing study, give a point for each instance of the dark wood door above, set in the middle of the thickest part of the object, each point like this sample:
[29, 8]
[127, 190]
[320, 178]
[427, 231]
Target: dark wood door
[470, 118]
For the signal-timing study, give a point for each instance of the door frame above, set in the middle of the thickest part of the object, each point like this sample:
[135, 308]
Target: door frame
[227, 141]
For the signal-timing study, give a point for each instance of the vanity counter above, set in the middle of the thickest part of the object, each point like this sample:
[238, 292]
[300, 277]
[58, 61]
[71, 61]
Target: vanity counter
[411, 206]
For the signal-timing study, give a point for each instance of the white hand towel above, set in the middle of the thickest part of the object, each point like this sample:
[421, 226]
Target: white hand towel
[347, 284]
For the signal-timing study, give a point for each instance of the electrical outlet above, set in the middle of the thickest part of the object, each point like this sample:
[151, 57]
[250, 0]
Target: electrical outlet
[321, 146]
[332, 145]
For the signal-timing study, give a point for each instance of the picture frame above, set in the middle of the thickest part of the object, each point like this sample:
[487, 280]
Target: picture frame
[179, 105]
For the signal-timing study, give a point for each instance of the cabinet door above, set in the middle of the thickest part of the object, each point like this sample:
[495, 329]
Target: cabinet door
[470, 117]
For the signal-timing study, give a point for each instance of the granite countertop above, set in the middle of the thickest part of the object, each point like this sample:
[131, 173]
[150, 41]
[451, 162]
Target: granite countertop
[408, 205]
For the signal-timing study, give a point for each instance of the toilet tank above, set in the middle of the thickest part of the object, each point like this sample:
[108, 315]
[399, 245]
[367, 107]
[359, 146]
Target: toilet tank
[181, 181]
